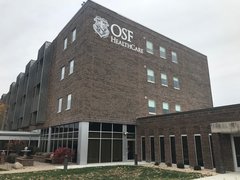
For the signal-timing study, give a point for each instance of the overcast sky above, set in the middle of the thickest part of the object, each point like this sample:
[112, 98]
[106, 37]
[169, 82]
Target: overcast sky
[209, 26]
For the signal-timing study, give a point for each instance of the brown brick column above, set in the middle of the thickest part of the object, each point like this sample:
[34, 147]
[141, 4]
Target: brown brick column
[168, 158]
[207, 155]
[156, 146]
[178, 142]
[148, 148]
[191, 148]
[139, 133]
[220, 167]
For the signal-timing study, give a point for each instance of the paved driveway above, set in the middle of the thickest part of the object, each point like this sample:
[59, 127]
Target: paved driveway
[227, 176]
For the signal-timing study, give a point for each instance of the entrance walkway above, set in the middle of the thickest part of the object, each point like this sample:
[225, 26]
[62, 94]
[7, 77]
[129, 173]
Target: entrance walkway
[227, 176]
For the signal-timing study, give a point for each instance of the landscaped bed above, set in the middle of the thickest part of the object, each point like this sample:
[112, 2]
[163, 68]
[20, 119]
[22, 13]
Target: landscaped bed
[107, 172]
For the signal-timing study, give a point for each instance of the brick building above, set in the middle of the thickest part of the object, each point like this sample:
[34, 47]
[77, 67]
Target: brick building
[101, 72]
[207, 137]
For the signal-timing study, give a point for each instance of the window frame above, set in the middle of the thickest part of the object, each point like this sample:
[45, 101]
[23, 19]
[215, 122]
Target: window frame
[163, 54]
[180, 109]
[149, 77]
[163, 80]
[163, 109]
[69, 101]
[65, 43]
[176, 79]
[149, 50]
[74, 34]
[71, 66]
[149, 107]
[62, 76]
[60, 101]
[174, 57]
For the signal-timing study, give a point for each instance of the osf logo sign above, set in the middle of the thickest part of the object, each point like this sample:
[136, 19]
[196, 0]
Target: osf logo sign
[120, 36]
[101, 28]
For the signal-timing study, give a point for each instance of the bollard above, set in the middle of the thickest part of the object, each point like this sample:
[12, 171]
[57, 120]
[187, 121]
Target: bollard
[135, 160]
[65, 164]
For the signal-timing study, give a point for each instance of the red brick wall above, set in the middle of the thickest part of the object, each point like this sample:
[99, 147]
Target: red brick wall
[109, 82]
[190, 123]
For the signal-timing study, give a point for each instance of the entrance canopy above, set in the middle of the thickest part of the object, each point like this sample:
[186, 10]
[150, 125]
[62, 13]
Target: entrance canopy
[19, 135]
[226, 127]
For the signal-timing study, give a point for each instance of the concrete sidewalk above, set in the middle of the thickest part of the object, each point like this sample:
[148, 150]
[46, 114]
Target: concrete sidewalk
[227, 176]
[129, 163]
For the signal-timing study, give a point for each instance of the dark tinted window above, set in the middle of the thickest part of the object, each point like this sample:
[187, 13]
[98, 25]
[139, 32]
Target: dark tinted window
[106, 127]
[117, 127]
[131, 128]
[94, 126]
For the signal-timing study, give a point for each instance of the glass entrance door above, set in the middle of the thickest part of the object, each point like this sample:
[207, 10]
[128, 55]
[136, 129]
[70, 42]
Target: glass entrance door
[237, 150]
[131, 149]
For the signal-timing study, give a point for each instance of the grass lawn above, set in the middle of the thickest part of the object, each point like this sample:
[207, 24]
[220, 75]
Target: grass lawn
[105, 173]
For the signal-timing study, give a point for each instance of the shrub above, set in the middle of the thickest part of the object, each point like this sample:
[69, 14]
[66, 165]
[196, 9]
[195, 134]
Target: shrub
[156, 163]
[39, 153]
[59, 155]
[33, 150]
[11, 158]
[36, 150]
[180, 165]
[62, 152]
[168, 164]
[197, 168]
[16, 146]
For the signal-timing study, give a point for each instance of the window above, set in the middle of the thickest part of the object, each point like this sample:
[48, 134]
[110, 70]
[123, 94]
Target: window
[71, 66]
[74, 33]
[69, 99]
[173, 149]
[164, 80]
[198, 150]
[150, 76]
[177, 108]
[65, 44]
[165, 107]
[105, 142]
[185, 150]
[162, 149]
[62, 73]
[59, 105]
[174, 57]
[143, 149]
[162, 52]
[151, 107]
[176, 83]
[149, 47]
[211, 149]
[152, 149]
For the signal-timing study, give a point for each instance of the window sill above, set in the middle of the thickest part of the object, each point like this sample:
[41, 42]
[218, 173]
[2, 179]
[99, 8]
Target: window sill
[152, 113]
[164, 85]
[153, 82]
[176, 88]
[150, 52]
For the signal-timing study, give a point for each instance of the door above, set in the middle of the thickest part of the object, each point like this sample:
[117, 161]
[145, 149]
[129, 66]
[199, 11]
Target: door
[131, 149]
[236, 141]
